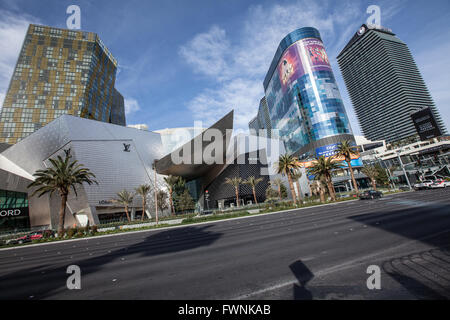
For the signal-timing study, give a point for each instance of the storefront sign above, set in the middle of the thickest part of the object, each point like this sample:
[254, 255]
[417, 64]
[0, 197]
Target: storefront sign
[10, 213]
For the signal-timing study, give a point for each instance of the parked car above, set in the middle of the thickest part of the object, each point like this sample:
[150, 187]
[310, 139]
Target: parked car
[423, 185]
[440, 184]
[41, 234]
[371, 194]
[20, 240]
[38, 235]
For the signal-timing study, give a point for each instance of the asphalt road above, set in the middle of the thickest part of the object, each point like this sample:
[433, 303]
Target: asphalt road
[315, 253]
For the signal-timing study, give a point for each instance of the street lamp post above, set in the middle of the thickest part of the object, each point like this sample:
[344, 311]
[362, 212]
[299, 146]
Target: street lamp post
[404, 170]
[383, 165]
[156, 194]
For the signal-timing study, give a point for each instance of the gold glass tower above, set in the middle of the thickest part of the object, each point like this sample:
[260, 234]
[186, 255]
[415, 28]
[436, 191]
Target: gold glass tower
[60, 72]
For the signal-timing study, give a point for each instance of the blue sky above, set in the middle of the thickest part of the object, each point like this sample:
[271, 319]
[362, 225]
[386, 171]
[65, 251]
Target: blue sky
[182, 61]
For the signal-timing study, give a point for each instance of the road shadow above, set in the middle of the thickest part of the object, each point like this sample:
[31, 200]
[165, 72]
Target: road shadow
[303, 275]
[430, 225]
[41, 282]
[422, 275]
[426, 275]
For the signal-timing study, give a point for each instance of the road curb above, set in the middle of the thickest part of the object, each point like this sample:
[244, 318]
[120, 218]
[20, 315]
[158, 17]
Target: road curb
[183, 226]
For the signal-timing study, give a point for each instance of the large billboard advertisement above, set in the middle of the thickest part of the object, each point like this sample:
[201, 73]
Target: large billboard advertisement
[303, 56]
[318, 57]
[426, 124]
[290, 67]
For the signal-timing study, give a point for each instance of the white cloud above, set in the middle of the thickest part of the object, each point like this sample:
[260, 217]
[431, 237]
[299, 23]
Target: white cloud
[435, 69]
[238, 94]
[13, 28]
[238, 68]
[206, 52]
[131, 106]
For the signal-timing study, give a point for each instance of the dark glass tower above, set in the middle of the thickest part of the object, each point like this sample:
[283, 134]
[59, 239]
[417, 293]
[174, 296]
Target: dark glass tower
[302, 96]
[60, 72]
[384, 84]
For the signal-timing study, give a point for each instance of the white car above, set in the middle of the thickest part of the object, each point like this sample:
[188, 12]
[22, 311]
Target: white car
[440, 184]
[423, 185]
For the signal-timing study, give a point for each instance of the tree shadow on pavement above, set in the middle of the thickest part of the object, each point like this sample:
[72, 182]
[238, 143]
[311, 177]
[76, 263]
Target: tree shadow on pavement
[42, 282]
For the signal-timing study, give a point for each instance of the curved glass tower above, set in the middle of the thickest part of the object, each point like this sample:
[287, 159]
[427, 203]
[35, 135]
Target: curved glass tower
[303, 98]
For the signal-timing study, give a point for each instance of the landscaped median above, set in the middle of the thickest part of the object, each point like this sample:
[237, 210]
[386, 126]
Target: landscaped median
[117, 228]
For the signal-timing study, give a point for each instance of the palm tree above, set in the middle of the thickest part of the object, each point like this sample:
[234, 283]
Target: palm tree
[162, 200]
[317, 188]
[372, 173]
[296, 176]
[125, 198]
[63, 175]
[235, 182]
[278, 183]
[253, 182]
[172, 182]
[322, 168]
[346, 150]
[143, 191]
[286, 165]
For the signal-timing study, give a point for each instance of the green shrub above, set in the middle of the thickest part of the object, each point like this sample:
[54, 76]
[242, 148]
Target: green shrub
[71, 232]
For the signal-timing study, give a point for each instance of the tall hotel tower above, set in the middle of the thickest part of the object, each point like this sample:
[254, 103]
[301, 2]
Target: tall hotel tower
[384, 84]
[60, 72]
[302, 96]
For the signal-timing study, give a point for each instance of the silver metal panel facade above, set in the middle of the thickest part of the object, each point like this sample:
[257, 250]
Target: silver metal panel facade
[98, 146]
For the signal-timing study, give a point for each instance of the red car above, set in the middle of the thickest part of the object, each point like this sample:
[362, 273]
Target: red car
[30, 237]
[20, 240]
[40, 234]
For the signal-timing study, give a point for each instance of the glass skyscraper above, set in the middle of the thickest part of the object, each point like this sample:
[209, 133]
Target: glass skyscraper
[302, 96]
[384, 84]
[262, 120]
[60, 72]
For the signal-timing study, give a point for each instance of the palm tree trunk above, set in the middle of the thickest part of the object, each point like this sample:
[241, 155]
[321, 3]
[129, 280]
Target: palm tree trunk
[172, 208]
[126, 212]
[143, 209]
[374, 184]
[331, 189]
[279, 193]
[237, 197]
[353, 176]
[254, 195]
[291, 185]
[62, 215]
[322, 194]
[299, 192]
